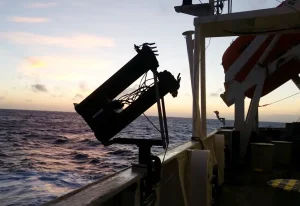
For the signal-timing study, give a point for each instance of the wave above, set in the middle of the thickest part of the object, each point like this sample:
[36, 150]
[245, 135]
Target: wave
[80, 156]
[94, 161]
[52, 153]
[61, 140]
[90, 142]
[121, 152]
[47, 178]
[31, 135]
[2, 154]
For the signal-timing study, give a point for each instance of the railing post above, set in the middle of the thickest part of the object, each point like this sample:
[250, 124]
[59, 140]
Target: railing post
[196, 111]
[203, 83]
[296, 81]
[190, 51]
[239, 111]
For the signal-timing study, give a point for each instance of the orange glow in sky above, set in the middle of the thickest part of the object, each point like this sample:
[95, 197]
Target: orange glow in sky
[55, 54]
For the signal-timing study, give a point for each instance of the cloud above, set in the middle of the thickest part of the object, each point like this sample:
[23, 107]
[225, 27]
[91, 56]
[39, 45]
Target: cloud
[28, 100]
[78, 96]
[57, 96]
[214, 94]
[39, 88]
[41, 5]
[217, 93]
[1, 98]
[22, 19]
[83, 86]
[163, 6]
[36, 63]
[65, 67]
[75, 41]
[58, 92]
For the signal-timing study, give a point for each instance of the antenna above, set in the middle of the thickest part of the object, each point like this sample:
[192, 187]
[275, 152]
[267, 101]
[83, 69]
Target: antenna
[221, 119]
[213, 7]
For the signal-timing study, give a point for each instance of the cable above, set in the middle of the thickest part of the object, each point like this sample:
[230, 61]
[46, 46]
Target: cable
[150, 199]
[159, 109]
[266, 31]
[143, 87]
[131, 97]
[279, 100]
[165, 153]
[219, 6]
[230, 6]
[151, 123]
[208, 43]
[165, 119]
[159, 132]
[288, 5]
[261, 32]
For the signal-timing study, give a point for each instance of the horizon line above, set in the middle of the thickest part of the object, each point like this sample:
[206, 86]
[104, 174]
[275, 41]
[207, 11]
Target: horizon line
[141, 114]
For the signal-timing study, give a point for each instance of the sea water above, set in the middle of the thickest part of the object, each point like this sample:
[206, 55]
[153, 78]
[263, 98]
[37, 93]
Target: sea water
[44, 155]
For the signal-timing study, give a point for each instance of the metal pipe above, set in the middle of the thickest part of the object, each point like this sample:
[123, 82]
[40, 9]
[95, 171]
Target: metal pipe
[212, 7]
[296, 81]
[228, 9]
[252, 114]
[203, 83]
[190, 51]
[239, 111]
[161, 124]
[165, 120]
[252, 111]
[190, 47]
[196, 112]
[268, 49]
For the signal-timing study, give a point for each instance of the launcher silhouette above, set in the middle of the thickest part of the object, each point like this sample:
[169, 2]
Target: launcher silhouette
[107, 115]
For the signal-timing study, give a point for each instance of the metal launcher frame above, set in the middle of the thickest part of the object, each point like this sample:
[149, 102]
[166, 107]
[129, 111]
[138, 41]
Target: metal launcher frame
[259, 22]
[105, 113]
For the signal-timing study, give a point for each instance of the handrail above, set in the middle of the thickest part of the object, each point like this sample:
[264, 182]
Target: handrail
[104, 189]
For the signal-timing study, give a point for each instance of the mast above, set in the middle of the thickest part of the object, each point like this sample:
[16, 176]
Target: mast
[239, 24]
[196, 52]
[296, 81]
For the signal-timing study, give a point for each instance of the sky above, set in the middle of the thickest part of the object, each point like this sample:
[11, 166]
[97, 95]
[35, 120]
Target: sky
[55, 53]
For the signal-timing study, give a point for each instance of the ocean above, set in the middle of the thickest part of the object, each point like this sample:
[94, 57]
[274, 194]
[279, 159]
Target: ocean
[44, 155]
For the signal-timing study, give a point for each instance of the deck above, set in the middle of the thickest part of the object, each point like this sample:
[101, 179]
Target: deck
[251, 188]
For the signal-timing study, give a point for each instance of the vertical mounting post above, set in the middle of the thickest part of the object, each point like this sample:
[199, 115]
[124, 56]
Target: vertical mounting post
[212, 6]
[196, 112]
[190, 50]
[165, 121]
[203, 83]
[228, 8]
[259, 71]
[256, 122]
[239, 111]
[252, 111]
[161, 123]
[296, 81]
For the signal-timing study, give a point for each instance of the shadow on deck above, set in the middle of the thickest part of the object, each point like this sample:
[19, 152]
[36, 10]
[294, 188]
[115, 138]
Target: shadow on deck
[251, 189]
